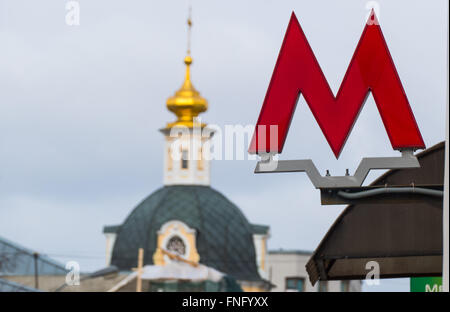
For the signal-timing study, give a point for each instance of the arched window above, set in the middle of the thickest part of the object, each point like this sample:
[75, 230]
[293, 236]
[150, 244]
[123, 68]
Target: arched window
[176, 245]
[184, 159]
[200, 160]
[169, 159]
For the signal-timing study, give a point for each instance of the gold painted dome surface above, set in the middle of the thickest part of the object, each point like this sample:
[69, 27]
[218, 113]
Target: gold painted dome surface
[187, 103]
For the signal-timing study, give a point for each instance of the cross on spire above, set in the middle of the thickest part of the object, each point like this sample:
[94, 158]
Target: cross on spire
[189, 23]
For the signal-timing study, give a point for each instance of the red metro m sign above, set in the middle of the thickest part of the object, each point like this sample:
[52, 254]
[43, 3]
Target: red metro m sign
[298, 72]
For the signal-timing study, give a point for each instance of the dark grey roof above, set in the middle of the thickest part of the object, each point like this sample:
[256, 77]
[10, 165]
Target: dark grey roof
[260, 229]
[18, 260]
[9, 286]
[224, 236]
[404, 236]
[111, 228]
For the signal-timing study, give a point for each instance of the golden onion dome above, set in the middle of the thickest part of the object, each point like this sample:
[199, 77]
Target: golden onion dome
[187, 103]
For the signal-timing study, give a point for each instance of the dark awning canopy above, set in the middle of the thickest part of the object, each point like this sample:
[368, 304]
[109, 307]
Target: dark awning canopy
[404, 237]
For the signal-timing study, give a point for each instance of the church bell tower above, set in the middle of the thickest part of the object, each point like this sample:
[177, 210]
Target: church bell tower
[186, 148]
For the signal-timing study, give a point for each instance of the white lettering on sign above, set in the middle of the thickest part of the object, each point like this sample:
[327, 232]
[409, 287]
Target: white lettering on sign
[435, 288]
[373, 276]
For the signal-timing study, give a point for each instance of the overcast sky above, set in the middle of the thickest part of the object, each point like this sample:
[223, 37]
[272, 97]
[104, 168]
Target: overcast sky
[80, 108]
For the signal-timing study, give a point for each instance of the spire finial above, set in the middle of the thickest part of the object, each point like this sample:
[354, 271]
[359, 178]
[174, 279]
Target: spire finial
[187, 103]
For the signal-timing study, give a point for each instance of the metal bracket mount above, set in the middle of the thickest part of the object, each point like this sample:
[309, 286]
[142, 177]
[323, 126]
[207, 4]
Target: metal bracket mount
[268, 165]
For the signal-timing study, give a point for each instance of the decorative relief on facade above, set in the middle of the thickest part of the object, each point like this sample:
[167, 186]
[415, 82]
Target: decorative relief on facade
[177, 238]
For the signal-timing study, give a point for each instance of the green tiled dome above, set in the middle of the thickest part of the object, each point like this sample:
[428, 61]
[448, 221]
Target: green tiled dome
[224, 236]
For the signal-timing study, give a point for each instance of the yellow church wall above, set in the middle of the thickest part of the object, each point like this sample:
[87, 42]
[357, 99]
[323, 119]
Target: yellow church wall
[263, 254]
[252, 289]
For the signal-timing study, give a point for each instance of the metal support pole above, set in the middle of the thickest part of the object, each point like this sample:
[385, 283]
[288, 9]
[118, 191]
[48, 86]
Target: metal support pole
[36, 273]
[446, 181]
[139, 270]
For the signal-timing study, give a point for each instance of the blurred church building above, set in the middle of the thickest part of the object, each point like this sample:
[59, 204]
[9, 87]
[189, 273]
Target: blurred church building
[186, 217]
[185, 236]
[188, 220]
